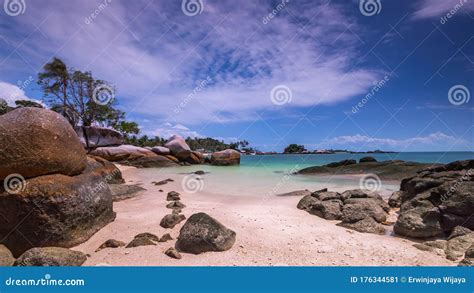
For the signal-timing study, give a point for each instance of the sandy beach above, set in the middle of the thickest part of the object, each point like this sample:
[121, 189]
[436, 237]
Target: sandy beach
[271, 232]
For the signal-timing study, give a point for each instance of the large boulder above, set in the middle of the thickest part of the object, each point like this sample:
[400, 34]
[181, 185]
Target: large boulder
[225, 158]
[195, 158]
[150, 162]
[328, 209]
[99, 136]
[104, 168]
[366, 225]
[202, 233]
[35, 142]
[437, 200]
[341, 163]
[354, 212]
[123, 152]
[161, 150]
[51, 257]
[54, 210]
[395, 199]
[178, 147]
[6, 257]
[367, 160]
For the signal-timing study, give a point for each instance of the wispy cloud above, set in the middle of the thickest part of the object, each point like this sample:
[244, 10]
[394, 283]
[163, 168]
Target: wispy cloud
[11, 93]
[438, 139]
[156, 55]
[437, 8]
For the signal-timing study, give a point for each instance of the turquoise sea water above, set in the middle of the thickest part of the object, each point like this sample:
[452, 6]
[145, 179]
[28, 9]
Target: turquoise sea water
[267, 175]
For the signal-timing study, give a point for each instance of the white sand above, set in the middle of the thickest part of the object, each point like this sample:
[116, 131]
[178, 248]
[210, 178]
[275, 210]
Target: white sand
[270, 232]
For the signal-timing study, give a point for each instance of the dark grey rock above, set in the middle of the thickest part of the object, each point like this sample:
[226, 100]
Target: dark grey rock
[51, 256]
[202, 233]
[171, 220]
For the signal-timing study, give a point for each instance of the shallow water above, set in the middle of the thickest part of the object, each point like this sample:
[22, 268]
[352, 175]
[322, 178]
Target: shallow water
[268, 175]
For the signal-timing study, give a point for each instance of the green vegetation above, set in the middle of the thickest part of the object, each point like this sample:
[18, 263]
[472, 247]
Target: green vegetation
[294, 149]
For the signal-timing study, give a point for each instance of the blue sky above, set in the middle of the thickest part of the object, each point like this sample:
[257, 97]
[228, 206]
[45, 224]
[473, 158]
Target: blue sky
[270, 72]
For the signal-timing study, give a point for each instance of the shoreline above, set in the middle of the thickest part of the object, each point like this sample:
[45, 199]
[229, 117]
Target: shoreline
[271, 232]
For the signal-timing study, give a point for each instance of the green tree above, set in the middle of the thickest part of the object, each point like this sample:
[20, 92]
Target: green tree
[294, 149]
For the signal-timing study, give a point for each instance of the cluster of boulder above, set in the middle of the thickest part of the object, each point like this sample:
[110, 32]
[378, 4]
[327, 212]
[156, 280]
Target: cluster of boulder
[437, 203]
[357, 209]
[52, 194]
[175, 152]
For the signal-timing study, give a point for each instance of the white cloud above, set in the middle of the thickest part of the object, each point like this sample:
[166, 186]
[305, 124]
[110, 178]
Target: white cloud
[11, 93]
[168, 130]
[434, 139]
[155, 54]
[437, 8]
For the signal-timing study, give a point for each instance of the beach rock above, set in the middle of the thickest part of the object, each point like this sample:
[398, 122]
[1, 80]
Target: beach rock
[171, 220]
[225, 158]
[366, 225]
[178, 147]
[173, 253]
[306, 202]
[35, 142]
[359, 195]
[104, 168]
[150, 162]
[111, 243]
[99, 136]
[122, 191]
[6, 257]
[143, 239]
[54, 210]
[195, 158]
[200, 172]
[176, 205]
[437, 200]
[162, 182]
[459, 231]
[385, 170]
[395, 199]
[456, 247]
[341, 163]
[173, 196]
[329, 209]
[166, 237]
[354, 212]
[469, 257]
[367, 160]
[172, 158]
[202, 233]
[296, 193]
[51, 257]
[121, 153]
[161, 150]
[326, 195]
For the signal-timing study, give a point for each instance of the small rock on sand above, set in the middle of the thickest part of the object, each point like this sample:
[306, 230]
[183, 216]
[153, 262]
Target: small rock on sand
[173, 253]
[173, 196]
[143, 239]
[111, 243]
[171, 220]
